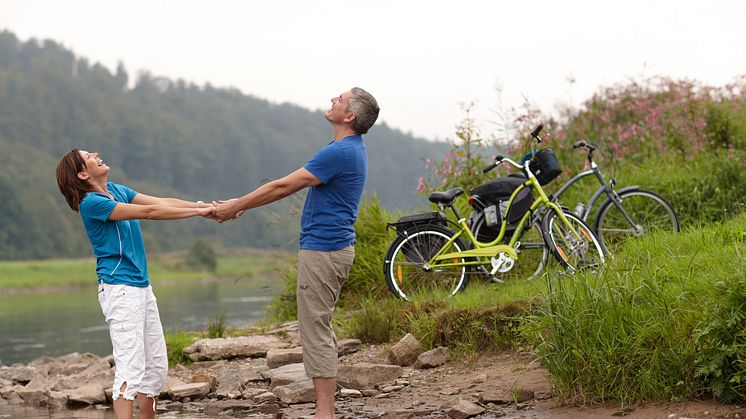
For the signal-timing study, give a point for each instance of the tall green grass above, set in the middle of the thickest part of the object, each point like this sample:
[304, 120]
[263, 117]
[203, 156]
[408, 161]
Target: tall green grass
[635, 331]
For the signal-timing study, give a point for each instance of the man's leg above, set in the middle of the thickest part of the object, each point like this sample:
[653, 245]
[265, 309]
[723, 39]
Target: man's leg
[325, 390]
[320, 278]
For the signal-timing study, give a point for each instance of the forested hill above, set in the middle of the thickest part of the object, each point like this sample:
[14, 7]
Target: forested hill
[162, 137]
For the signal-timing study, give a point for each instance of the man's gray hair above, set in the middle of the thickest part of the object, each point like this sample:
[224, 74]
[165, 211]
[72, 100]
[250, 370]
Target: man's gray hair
[365, 107]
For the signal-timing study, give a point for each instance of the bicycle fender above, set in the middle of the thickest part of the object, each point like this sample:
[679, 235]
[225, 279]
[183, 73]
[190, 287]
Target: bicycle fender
[628, 188]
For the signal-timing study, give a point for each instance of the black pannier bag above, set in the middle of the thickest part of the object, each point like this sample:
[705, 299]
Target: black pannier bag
[545, 166]
[420, 250]
[497, 192]
[419, 220]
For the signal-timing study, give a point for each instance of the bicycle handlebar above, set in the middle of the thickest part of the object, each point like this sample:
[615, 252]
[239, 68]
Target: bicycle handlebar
[536, 131]
[499, 159]
[588, 146]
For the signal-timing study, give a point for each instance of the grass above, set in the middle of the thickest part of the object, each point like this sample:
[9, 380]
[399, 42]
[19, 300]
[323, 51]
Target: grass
[31, 274]
[662, 321]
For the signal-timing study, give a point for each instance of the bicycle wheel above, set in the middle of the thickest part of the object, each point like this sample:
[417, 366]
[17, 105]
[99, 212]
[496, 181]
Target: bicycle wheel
[649, 211]
[574, 246]
[407, 255]
[532, 252]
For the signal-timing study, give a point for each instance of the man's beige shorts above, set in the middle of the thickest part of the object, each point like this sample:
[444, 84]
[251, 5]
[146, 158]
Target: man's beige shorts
[320, 278]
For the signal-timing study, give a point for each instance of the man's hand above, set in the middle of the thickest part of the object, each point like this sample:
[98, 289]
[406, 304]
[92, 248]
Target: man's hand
[226, 210]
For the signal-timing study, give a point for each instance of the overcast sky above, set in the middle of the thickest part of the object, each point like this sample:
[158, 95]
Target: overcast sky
[421, 59]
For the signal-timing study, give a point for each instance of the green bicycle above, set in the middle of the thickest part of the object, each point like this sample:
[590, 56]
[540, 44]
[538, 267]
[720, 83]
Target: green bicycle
[428, 255]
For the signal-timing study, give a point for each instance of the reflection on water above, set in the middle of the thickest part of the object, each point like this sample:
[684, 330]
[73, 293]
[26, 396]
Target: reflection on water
[18, 412]
[59, 323]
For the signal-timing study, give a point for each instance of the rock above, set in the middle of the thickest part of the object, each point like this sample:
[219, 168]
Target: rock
[285, 374]
[230, 385]
[464, 409]
[433, 358]
[86, 395]
[171, 382]
[480, 378]
[19, 374]
[279, 357]
[296, 392]
[350, 393]
[250, 393]
[57, 400]
[205, 378]
[389, 389]
[10, 394]
[35, 393]
[365, 376]
[229, 348]
[251, 373]
[369, 392]
[348, 346]
[521, 395]
[449, 391]
[405, 351]
[192, 390]
[265, 397]
[228, 408]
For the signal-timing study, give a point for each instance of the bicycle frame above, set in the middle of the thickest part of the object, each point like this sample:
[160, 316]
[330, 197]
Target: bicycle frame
[603, 189]
[483, 250]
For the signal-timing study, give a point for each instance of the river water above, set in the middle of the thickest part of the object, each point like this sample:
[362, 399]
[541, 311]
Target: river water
[58, 323]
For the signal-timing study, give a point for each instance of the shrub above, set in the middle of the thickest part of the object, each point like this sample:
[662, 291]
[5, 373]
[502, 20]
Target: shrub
[202, 256]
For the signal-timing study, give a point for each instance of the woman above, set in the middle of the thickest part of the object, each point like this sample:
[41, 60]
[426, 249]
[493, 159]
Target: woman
[110, 213]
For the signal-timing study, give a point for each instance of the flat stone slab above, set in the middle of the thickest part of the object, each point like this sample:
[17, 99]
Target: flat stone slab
[366, 376]
[229, 348]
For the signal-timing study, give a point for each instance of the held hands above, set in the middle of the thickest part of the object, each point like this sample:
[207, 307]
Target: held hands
[226, 210]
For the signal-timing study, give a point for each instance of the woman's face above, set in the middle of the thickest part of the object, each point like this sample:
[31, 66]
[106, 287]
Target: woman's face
[94, 166]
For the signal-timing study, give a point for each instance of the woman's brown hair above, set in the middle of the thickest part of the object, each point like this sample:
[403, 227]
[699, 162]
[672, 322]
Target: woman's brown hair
[72, 187]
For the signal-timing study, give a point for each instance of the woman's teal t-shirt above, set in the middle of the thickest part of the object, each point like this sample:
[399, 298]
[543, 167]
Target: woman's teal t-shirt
[117, 245]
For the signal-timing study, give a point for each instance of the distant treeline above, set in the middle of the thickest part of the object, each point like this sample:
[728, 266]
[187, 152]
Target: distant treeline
[162, 137]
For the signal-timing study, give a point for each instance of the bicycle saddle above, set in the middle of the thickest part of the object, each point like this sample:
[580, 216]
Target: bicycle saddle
[445, 197]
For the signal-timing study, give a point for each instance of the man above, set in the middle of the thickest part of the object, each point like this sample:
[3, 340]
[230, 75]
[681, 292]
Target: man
[336, 176]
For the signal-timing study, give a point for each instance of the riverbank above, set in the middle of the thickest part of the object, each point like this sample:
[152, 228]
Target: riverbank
[54, 275]
[264, 380]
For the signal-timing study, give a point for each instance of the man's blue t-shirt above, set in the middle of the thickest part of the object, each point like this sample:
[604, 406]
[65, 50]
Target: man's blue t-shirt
[117, 245]
[331, 207]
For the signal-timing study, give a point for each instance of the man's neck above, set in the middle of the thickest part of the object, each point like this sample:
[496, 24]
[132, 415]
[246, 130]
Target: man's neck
[342, 131]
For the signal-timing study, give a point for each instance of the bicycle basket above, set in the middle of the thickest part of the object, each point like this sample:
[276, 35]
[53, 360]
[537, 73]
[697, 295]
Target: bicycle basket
[545, 166]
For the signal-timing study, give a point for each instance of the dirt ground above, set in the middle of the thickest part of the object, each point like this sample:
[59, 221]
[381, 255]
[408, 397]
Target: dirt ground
[429, 393]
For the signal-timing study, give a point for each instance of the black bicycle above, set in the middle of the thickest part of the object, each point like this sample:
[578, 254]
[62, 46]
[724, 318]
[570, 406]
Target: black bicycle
[626, 213]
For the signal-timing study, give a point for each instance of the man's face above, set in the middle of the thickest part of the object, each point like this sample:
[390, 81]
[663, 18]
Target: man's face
[338, 113]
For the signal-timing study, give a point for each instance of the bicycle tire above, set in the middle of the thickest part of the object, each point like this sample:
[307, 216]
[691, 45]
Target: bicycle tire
[410, 250]
[572, 253]
[650, 211]
[532, 252]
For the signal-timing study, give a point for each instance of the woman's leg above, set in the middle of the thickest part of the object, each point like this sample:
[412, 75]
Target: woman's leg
[156, 358]
[124, 308]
